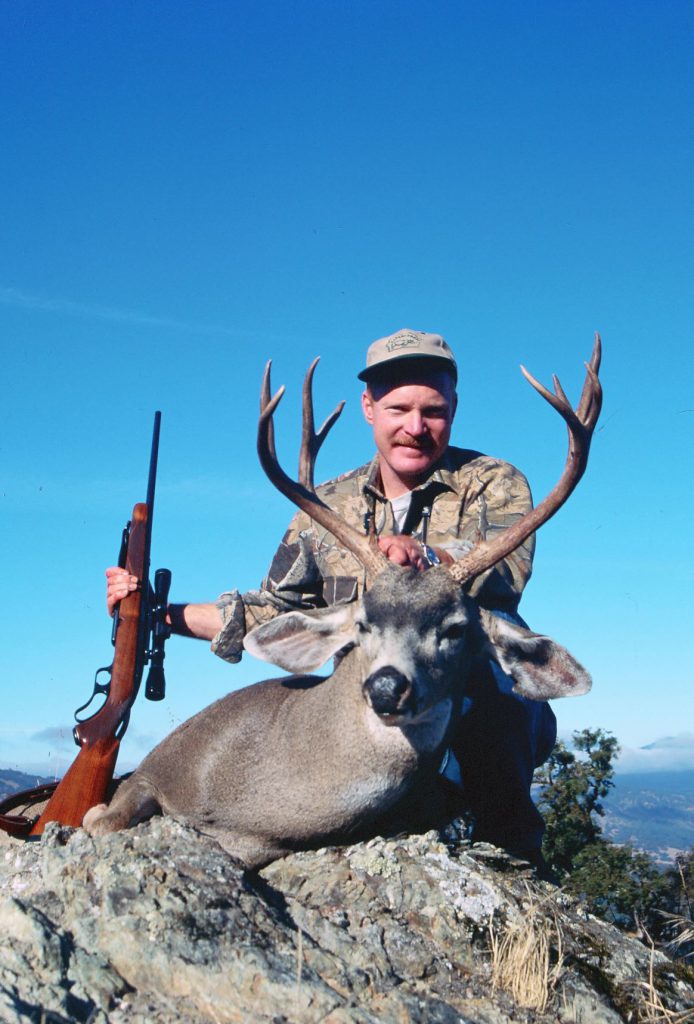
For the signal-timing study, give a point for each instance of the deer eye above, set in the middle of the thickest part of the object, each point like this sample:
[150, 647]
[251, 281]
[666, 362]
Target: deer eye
[454, 631]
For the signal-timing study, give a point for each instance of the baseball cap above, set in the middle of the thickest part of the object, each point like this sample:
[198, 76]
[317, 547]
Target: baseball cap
[407, 344]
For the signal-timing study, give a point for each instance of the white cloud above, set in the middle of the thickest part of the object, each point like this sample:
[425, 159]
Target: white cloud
[67, 307]
[50, 751]
[682, 741]
[20, 299]
[669, 754]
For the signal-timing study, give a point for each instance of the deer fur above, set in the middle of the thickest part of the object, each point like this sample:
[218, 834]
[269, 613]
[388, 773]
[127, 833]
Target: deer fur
[294, 763]
[301, 761]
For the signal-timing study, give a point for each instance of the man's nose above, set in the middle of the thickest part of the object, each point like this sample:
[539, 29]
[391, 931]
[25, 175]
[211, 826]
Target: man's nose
[414, 424]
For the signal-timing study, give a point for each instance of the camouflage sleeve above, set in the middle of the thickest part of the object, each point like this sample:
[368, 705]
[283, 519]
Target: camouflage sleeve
[301, 576]
[292, 582]
[311, 569]
[501, 497]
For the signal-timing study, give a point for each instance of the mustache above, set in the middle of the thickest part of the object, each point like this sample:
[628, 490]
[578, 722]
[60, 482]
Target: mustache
[412, 442]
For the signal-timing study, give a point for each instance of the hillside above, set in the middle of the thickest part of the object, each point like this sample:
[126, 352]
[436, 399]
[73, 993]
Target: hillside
[13, 782]
[652, 811]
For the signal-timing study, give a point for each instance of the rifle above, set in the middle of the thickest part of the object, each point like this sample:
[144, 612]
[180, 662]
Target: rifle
[139, 616]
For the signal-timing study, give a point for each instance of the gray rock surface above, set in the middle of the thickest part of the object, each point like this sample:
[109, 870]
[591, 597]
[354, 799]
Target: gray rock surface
[158, 924]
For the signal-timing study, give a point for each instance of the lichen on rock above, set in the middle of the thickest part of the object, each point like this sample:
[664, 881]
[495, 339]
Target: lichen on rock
[158, 924]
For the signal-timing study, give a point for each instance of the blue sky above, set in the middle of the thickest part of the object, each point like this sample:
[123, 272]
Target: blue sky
[189, 189]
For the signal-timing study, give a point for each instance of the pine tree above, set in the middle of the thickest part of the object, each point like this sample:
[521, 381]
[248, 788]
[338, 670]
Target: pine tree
[617, 883]
[572, 791]
[621, 885]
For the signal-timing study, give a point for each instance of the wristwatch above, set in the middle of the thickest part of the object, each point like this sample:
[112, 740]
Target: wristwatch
[430, 555]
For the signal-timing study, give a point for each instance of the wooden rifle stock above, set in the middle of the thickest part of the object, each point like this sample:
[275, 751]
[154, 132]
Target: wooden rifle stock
[87, 780]
[141, 613]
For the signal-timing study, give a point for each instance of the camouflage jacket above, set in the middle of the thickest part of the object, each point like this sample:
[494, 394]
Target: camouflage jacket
[469, 496]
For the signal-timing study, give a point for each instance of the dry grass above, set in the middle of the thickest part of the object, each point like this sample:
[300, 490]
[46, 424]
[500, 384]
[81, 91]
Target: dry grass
[651, 1009]
[522, 957]
[682, 931]
[681, 926]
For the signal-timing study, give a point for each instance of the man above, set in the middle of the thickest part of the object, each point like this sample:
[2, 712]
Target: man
[427, 501]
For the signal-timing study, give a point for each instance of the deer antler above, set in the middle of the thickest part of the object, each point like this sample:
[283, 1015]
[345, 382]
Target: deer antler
[581, 424]
[302, 492]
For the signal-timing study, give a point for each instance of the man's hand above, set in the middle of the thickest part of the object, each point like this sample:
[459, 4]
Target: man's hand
[119, 583]
[405, 550]
[202, 621]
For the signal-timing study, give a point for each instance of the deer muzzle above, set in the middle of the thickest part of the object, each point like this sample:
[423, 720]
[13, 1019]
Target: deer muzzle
[390, 694]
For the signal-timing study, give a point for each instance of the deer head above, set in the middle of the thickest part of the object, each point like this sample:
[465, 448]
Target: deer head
[580, 423]
[424, 618]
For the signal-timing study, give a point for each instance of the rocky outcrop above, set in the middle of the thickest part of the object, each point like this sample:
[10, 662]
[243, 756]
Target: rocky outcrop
[158, 924]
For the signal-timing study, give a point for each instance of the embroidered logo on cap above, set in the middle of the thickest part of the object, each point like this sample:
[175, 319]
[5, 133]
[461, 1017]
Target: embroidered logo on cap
[399, 341]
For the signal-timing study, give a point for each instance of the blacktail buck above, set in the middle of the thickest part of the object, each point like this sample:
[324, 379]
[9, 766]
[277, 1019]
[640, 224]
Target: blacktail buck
[301, 761]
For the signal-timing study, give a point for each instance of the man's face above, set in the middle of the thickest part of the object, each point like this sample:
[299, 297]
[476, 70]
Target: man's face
[411, 421]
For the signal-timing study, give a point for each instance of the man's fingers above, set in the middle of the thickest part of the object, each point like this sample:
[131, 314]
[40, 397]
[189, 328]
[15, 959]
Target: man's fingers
[398, 555]
[121, 589]
[119, 583]
[116, 572]
[116, 577]
[402, 550]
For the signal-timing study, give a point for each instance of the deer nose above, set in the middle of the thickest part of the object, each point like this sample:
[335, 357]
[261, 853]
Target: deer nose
[387, 691]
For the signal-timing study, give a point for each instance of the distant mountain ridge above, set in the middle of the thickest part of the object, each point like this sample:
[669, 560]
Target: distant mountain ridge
[679, 741]
[13, 781]
[652, 811]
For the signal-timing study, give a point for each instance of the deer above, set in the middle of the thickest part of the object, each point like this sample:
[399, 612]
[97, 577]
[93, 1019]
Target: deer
[303, 761]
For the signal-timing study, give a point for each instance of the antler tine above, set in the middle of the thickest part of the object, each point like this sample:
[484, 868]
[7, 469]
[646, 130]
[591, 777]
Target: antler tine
[311, 441]
[591, 396]
[581, 423]
[267, 408]
[557, 400]
[301, 492]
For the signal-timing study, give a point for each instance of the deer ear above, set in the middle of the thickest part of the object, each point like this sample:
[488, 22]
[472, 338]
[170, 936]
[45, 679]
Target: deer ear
[541, 669]
[302, 641]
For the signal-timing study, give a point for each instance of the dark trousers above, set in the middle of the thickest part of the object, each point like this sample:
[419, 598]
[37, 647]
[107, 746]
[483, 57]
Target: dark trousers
[500, 740]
